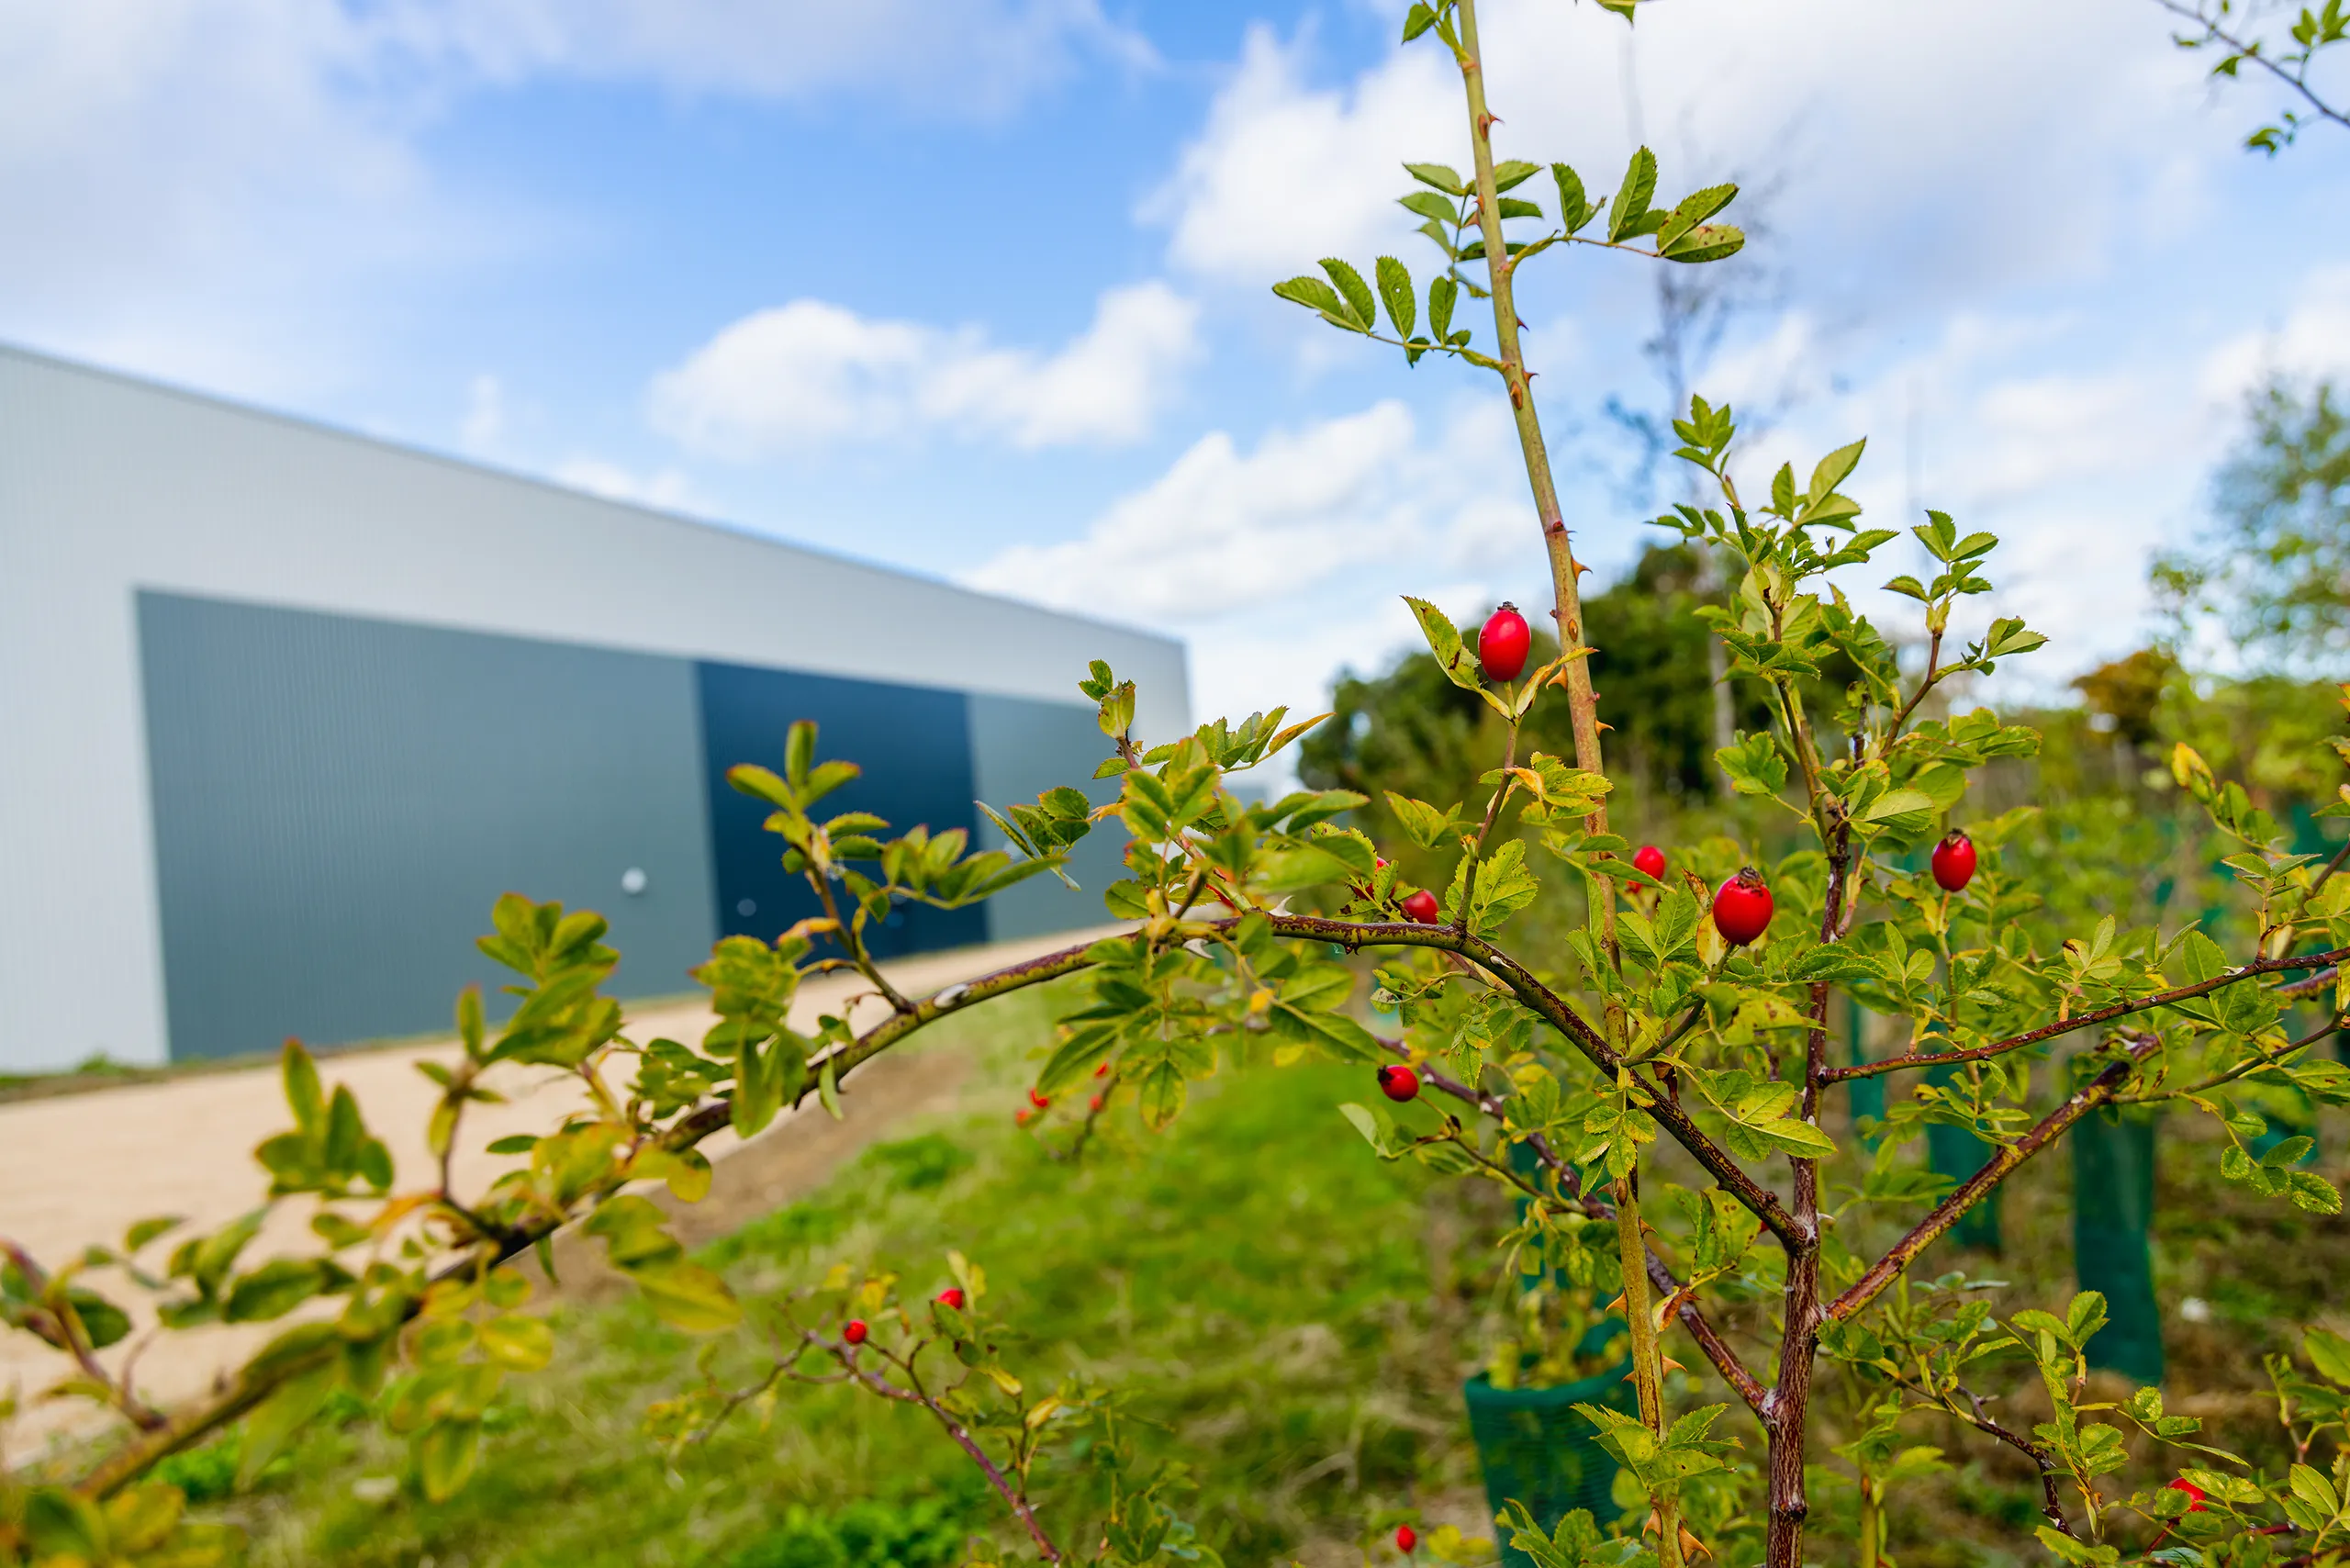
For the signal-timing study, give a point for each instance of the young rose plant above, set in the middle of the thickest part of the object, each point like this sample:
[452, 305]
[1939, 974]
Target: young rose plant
[1651, 1086]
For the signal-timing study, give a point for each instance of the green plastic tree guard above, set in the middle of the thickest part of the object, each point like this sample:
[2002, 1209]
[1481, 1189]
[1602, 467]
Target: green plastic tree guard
[1536, 1450]
[2113, 1210]
[1957, 1153]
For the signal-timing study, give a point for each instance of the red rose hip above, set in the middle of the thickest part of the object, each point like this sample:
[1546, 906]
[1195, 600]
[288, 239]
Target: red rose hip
[2195, 1495]
[1742, 908]
[1650, 861]
[1039, 1100]
[1406, 1539]
[854, 1331]
[1502, 646]
[1422, 906]
[1399, 1084]
[1955, 862]
[951, 1297]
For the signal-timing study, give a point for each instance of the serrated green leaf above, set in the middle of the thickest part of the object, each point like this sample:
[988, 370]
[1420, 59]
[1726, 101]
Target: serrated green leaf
[1438, 176]
[1395, 293]
[1632, 198]
[1361, 309]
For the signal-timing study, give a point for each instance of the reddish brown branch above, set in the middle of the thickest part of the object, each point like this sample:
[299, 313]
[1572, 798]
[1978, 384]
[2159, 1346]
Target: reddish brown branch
[2085, 1020]
[2097, 1091]
[1553, 1009]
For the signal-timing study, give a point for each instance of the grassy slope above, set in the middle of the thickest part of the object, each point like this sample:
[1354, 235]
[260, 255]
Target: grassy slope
[1254, 1279]
[1286, 1307]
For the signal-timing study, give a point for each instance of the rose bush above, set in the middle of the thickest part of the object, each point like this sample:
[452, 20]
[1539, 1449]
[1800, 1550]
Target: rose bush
[1688, 1005]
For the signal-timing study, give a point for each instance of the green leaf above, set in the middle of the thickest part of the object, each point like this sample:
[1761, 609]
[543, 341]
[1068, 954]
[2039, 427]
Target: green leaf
[1363, 1122]
[511, 1339]
[1458, 664]
[751, 780]
[1576, 211]
[1424, 823]
[1632, 198]
[687, 1296]
[145, 1230]
[274, 1289]
[1417, 20]
[2330, 1353]
[2313, 1193]
[1514, 173]
[1335, 1033]
[1755, 765]
[1361, 309]
[277, 1418]
[1897, 802]
[1395, 293]
[1442, 293]
[445, 1454]
[1430, 206]
[759, 1085]
[1162, 1094]
[1315, 294]
[1693, 210]
[302, 1091]
[1707, 242]
[1834, 469]
[1438, 175]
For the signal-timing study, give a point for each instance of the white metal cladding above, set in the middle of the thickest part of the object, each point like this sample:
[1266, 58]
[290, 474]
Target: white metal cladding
[109, 485]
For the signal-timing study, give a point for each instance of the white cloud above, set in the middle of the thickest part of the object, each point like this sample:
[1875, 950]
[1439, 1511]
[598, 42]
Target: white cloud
[1221, 531]
[810, 372]
[1923, 129]
[1283, 172]
[2313, 339]
[1283, 563]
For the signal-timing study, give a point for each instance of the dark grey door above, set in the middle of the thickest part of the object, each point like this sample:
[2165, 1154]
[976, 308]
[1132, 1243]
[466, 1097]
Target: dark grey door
[338, 801]
[914, 745]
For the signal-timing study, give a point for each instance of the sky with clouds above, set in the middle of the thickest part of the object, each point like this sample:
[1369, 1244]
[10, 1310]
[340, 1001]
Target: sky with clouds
[979, 288]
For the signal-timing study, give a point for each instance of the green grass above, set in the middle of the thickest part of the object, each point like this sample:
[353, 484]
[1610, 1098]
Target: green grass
[1254, 1280]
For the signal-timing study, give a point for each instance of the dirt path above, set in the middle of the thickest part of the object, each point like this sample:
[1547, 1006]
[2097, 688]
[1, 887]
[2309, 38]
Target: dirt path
[80, 1169]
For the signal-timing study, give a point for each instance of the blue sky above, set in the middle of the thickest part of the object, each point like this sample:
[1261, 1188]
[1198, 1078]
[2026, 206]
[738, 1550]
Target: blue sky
[979, 288]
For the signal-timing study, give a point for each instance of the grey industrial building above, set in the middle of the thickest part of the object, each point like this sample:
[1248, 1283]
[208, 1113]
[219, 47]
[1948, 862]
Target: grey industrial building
[283, 709]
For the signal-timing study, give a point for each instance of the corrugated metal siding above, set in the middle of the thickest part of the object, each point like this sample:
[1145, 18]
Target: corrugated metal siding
[912, 743]
[1019, 749]
[108, 484]
[338, 803]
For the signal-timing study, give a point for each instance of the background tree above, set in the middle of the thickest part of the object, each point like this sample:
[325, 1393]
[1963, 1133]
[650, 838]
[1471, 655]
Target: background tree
[2273, 570]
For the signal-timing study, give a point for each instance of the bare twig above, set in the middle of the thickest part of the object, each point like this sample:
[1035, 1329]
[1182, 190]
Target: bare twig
[1014, 1497]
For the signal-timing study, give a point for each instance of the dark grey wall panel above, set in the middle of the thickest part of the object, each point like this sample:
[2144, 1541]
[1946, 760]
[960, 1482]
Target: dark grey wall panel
[913, 744]
[338, 801]
[1019, 749]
